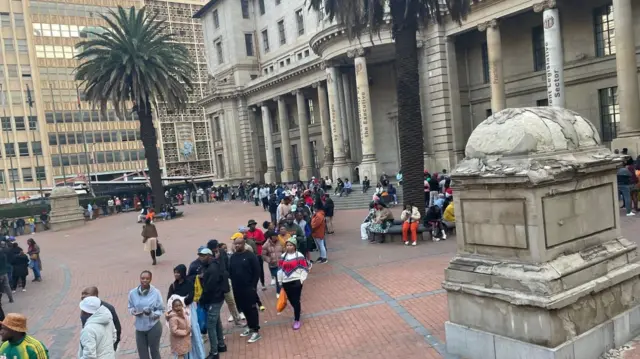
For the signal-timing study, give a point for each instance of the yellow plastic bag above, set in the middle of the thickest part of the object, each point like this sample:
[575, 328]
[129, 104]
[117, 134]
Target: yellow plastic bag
[197, 290]
[282, 301]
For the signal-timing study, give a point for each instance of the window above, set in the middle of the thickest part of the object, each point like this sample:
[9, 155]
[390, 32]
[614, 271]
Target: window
[314, 154]
[310, 116]
[488, 113]
[33, 123]
[485, 64]
[609, 113]
[55, 161]
[12, 71]
[218, 133]
[23, 48]
[23, 149]
[19, 121]
[53, 139]
[2, 177]
[275, 124]
[6, 123]
[27, 174]
[248, 43]
[40, 173]
[216, 19]
[261, 5]
[5, 19]
[14, 176]
[71, 138]
[219, 52]
[300, 22]
[281, 32]
[18, 18]
[265, 40]
[245, 8]
[10, 149]
[290, 119]
[542, 103]
[278, 153]
[604, 29]
[8, 45]
[26, 70]
[36, 148]
[537, 38]
[294, 158]
[62, 139]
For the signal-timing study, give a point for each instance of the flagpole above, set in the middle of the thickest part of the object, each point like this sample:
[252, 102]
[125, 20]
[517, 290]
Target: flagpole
[4, 114]
[84, 141]
[30, 102]
[55, 121]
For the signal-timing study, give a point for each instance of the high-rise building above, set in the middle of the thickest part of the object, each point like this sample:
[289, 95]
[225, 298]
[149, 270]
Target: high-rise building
[56, 138]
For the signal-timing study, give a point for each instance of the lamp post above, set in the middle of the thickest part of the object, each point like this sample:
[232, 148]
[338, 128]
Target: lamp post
[55, 121]
[84, 142]
[4, 114]
[30, 103]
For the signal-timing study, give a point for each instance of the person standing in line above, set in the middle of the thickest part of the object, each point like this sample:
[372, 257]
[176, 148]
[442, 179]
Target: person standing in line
[258, 237]
[318, 231]
[244, 273]
[17, 344]
[293, 270]
[93, 292]
[36, 261]
[150, 238]
[184, 288]
[146, 304]
[180, 329]
[20, 271]
[271, 252]
[264, 197]
[215, 284]
[98, 334]
[5, 266]
[273, 207]
[221, 255]
[328, 212]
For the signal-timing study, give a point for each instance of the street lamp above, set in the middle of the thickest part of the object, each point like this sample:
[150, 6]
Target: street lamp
[30, 103]
[4, 114]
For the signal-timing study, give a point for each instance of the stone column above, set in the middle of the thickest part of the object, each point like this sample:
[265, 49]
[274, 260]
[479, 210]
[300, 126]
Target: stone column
[494, 47]
[226, 149]
[306, 171]
[350, 120]
[325, 125]
[270, 175]
[286, 175]
[369, 166]
[340, 166]
[342, 101]
[627, 69]
[553, 51]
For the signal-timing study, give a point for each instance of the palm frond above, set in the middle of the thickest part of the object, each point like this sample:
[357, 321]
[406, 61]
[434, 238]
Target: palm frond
[134, 58]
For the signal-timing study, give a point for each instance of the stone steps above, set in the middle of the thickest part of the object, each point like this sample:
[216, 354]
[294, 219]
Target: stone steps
[357, 199]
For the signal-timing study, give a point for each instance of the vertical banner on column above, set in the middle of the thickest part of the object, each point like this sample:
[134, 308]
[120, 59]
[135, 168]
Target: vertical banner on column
[554, 57]
[186, 141]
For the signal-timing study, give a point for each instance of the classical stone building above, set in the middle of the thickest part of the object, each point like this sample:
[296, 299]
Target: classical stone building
[329, 104]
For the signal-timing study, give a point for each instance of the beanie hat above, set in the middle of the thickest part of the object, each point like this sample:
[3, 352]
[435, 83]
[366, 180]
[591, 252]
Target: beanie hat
[293, 240]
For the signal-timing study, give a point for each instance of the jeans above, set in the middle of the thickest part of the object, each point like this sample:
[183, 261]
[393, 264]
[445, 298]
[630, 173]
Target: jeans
[149, 342]
[321, 247]
[231, 304]
[433, 195]
[364, 231]
[294, 291]
[35, 265]
[625, 190]
[33, 228]
[246, 299]
[261, 263]
[274, 275]
[5, 286]
[265, 204]
[214, 327]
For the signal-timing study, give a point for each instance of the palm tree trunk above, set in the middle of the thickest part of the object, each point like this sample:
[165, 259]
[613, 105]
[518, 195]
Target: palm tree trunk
[408, 93]
[149, 141]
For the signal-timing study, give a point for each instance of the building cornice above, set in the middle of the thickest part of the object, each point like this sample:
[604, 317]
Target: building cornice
[315, 65]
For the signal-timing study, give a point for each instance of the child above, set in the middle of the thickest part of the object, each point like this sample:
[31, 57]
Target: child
[180, 329]
[20, 271]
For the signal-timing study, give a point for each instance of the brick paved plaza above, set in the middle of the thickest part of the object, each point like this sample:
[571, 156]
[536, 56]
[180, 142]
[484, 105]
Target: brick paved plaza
[369, 301]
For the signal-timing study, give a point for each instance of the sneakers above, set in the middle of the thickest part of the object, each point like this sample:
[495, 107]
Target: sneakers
[13, 291]
[254, 338]
[262, 308]
[631, 214]
[414, 244]
[322, 260]
[406, 243]
[222, 349]
[436, 239]
[242, 317]
[24, 289]
[444, 235]
[273, 281]
[277, 295]
[246, 333]
[296, 325]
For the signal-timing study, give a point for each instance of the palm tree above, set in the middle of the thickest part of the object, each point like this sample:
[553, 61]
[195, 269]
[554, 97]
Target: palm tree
[368, 16]
[135, 60]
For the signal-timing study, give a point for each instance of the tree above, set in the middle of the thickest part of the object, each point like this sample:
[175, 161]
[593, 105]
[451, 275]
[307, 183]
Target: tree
[136, 60]
[368, 16]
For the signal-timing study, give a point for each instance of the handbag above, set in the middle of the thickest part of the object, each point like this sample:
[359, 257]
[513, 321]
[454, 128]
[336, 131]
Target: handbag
[159, 250]
[282, 301]
[33, 257]
[202, 319]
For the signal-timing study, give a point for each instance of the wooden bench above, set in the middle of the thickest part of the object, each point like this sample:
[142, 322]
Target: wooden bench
[394, 233]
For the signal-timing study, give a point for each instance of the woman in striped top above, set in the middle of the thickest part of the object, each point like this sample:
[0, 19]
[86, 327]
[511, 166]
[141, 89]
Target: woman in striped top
[293, 270]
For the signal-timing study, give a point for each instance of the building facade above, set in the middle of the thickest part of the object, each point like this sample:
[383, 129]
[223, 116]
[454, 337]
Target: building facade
[329, 104]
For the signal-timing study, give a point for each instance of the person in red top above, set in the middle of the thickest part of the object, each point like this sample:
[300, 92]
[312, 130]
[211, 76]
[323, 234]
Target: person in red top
[257, 235]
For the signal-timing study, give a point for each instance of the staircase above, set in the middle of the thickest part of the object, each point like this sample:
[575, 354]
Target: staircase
[358, 200]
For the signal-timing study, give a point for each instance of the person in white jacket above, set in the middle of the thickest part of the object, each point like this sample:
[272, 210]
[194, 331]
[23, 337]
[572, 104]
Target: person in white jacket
[411, 218]
[99, 332]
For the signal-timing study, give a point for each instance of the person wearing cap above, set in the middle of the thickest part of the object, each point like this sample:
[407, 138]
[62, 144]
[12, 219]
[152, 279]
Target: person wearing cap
[215, 283]
[248, 245]
[293, 270]
[223, 259]
[93, 292]
[257, 236]
[99, 333]
[17, 344]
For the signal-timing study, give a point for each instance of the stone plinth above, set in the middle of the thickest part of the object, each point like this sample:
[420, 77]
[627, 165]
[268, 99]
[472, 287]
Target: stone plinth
[65, 209]
[540, 264]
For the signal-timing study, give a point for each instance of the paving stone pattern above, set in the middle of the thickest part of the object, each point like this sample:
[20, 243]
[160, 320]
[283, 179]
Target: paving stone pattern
[369, 301]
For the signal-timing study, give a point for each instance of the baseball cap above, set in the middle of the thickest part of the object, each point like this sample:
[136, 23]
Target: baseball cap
[205, 251]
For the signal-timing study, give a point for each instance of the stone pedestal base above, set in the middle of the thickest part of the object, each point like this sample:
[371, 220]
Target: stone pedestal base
[341, 170]
[326, 171]
[66, 212]
[287, 176]
[270, 177]
[370, 169]
[632, 143]
[305, 174]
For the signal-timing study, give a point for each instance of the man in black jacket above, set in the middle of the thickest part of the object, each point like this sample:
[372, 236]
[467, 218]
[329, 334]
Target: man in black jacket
[244, 271]
[93, 292]
[215, 283]
[223, 259]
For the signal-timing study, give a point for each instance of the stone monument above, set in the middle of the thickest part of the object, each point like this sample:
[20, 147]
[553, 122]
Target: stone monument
[541, 269]
[66, 212]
